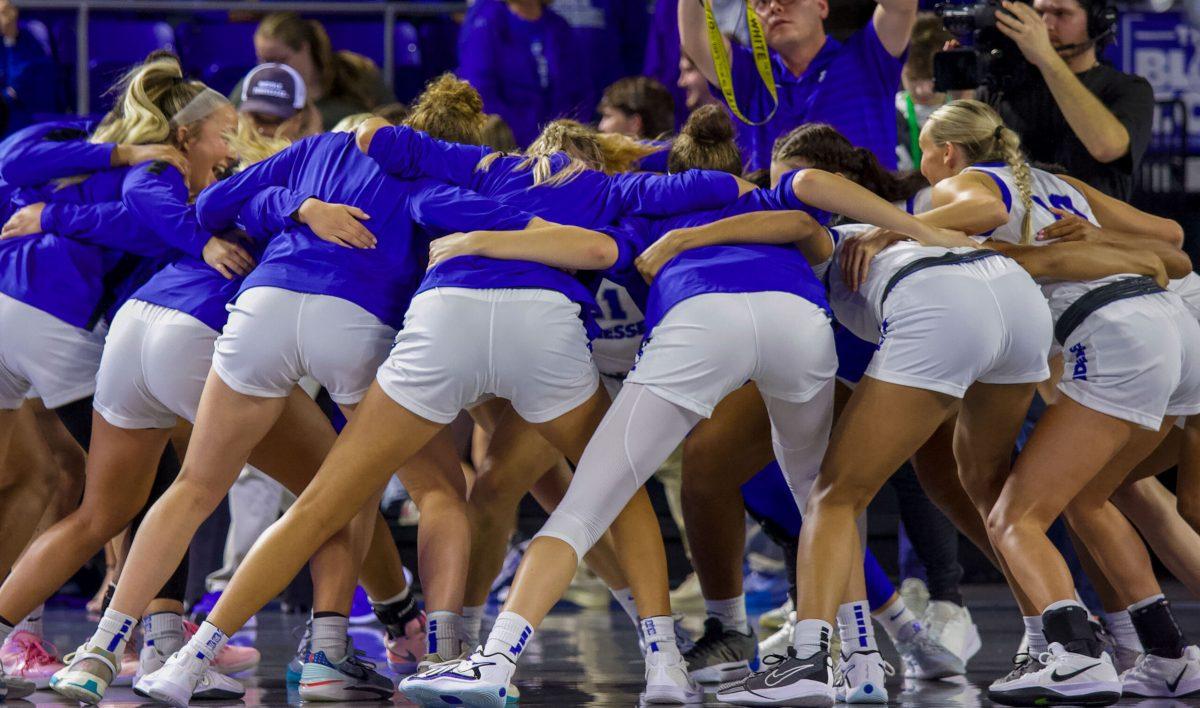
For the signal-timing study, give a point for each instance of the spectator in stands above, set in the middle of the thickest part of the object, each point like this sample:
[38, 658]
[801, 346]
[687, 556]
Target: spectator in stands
[694, 85]
[339, 83]
[275, 101]
[27, 72]
[852, 85]
[917, 101]
[639, 107]
[523, 60]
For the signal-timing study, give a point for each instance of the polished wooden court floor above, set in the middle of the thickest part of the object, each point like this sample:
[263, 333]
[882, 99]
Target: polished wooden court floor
[590, 658]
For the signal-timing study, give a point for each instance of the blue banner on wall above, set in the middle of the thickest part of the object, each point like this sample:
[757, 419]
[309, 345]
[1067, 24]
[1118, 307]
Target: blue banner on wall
[1162, 47]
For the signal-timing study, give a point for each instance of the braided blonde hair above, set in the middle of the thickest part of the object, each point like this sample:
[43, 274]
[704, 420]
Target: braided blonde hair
[980, 132]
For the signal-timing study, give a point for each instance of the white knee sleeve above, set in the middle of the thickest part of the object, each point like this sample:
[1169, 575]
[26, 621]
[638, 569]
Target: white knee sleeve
[799, 436]
[639, 432]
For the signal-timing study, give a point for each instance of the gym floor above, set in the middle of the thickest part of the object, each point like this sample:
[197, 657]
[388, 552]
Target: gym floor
[590, 658]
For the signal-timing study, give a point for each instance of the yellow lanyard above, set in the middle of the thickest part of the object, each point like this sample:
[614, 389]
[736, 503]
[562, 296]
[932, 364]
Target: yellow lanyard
[762, 60]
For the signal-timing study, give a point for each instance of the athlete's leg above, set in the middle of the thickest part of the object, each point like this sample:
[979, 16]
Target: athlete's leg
[1187, 486]
[1072, 443]
[1109, 537]
[720, 455]
[984, 437]
[28, 479]
[1154, 511]
[120, 472]
[380, 439]
[635, 437]
[896, 420]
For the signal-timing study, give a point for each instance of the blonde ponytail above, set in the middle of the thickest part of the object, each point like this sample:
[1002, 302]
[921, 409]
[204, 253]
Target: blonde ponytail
[980, 132]
[585, 148]
[150, 96]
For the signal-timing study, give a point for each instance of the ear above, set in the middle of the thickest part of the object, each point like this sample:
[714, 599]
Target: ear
[181, 137]
[638, 126]
[823, 7]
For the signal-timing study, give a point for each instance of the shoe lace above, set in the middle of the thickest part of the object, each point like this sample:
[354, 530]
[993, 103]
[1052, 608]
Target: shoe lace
[775, 659]
[35, 650]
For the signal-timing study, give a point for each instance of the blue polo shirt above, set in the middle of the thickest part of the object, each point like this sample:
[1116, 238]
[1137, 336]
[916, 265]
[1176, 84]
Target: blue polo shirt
[851, 86]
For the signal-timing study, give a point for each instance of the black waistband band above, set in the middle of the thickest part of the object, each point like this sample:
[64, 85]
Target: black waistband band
[949, 258]
[1095, 299]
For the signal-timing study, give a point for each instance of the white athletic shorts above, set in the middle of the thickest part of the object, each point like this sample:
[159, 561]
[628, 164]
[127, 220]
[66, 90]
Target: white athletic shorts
[43, 357]
[946, 327]
[1136, 359]
[154, 366]
[459, 345]
[275, 336]
[710, 345]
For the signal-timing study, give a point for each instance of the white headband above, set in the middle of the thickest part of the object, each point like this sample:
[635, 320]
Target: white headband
[199, 108]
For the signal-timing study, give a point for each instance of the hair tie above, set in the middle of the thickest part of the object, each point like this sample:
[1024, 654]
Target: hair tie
[998, 133]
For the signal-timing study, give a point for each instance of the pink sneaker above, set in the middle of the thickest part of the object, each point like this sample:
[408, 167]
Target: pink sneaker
[404, 653]
[28, 656]
[233, 659]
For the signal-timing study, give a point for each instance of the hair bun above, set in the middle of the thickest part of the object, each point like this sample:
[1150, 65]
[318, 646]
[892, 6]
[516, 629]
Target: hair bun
[709, 125]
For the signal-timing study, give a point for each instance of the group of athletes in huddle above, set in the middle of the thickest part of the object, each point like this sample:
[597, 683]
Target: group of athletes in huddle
[414, 274]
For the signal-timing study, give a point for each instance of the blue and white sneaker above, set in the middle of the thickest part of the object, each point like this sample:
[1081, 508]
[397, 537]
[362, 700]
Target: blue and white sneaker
[861, 678]
[351, 679]
[295, 667]
[480, 681]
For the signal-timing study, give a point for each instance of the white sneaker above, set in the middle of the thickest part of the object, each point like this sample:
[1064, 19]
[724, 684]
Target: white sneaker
[480, 681]
[861, 678]
[185, 676]
[915, 595]
[778, 642]
[950, 625]
[777, 617]
[668, 682]
[1063, 678]
[1160, 677]
[924, 658]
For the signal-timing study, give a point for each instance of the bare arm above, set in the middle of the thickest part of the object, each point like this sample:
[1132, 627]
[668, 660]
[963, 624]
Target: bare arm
[567, 247]
[968, 202]
[1083, 261]
[894, 20]
[834, 193]
[1114, 214]
[693, 38]
[764, 227]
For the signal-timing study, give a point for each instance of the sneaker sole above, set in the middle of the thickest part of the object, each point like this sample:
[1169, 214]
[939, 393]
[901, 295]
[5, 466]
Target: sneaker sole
[667, 697]
[328, 691]
[821, 699]
[81, 693]
[425, 695]
[15, 693]
[162, 696]
[720, 673]
[1040, 697]
[862, 696]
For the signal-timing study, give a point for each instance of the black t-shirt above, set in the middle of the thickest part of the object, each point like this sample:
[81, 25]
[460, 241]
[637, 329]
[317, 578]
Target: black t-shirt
[1030, 110]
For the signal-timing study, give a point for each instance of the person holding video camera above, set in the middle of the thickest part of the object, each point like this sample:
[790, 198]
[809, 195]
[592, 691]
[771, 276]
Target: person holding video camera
[1076, 111]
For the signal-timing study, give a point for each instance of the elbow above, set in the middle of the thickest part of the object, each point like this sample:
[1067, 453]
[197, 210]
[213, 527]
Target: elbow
[1110, 151]
[1178, 265]
[1174, 233]
[603, 254]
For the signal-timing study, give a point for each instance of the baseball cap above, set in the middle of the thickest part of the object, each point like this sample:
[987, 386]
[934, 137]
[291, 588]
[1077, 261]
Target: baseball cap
[273, 89]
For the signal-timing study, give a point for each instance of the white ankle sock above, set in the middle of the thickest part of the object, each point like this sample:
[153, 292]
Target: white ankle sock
[625, 599]
[113, 631]
[855, 627]
[1120, 626]
[164, 631]
[659, 635]
[1033, 635]
[207, 642]
[731, 612]
[811, 636]
[32, 623]
[329, 632]
[472, 625]
[898, 621]
[510, 635]
[443, 634]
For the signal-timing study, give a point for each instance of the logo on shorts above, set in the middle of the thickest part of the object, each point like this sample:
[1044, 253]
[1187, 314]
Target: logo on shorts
[883, 332]
[1080, 352]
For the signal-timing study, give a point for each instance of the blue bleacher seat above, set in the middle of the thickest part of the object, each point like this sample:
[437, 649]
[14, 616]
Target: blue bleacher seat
[115, 45]
[40, 32]
[217, 54]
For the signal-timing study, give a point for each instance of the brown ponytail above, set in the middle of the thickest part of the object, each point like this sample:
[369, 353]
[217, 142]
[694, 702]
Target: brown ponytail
[821, 146]
[706, 142]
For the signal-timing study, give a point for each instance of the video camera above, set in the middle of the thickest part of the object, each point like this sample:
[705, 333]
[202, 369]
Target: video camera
[986, 57]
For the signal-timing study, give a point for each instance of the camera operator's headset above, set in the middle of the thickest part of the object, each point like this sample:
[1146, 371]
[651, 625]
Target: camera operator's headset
[1101, 22]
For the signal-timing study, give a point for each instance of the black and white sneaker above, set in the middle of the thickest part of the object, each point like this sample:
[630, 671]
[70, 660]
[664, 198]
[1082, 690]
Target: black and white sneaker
[721, 654]
[789, 681]
[1060, 677]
